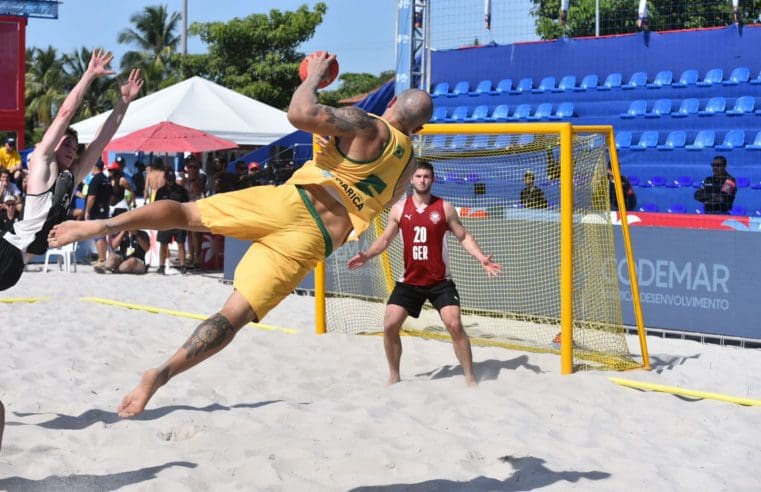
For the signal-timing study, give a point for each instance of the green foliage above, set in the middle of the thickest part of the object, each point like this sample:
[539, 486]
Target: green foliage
[353, 84]
[620, 16]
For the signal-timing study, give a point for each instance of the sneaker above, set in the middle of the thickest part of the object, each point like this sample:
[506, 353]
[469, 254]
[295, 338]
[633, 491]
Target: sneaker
[161, 270]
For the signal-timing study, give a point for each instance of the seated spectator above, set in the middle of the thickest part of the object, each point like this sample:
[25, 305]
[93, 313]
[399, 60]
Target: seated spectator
[10, 159]
[8, 187]
[8, 215]
[129, 253]
[531, 195]
[630, 199]
[718, 191]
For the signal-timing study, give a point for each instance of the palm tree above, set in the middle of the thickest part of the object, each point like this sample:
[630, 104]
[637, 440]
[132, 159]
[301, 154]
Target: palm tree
[154, 34]
[45, 89]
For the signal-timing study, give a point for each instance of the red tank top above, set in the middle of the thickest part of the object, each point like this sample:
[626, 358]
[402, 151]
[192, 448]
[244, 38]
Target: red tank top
[423, 232]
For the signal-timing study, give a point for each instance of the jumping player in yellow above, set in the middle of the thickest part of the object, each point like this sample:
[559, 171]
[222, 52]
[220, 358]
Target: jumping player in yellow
[365, 167]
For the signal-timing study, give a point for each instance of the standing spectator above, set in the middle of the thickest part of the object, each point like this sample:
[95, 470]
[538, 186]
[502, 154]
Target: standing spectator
[138, 178]
[10, 159]
[241, 176]
[171, 191]
[123, 197]
[129, 253]
[630, 199]
[195, 184]
[718, 190]
[156, 179]
[424, 220]
[97, 207]
[532, 196]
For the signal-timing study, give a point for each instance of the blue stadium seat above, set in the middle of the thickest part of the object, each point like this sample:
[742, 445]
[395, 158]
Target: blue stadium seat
[688, 77]
[662, 79]
[542, 112]
[547, 84]
[680, 182]
[480, 113]
[714, 105]
[742, 181]
[623, 139]
[648, 207]
[567, 83]
[480, 142]
[460, 88]
[589, 82]
[500, 113]
[637, 80]
[713, 76]
[656, 181]
[502, 141]
[505, 86]
[438, 142]
[648, 139]
[613, 81]
[660, 107]
[565, 110]
[441, 89]
[636, 108]
[525, 139]
[732, 140]
[483, 87]
[676, 208]
[674, 140]
[686, 108]
[743, 105]
[756, 145]
[524, 86]
[633, 180]
[459, 114]
[739, 210]
[439, 114]
[522, 112]
[704, 139]
[757, 80]
[458, 142]
[738, 76]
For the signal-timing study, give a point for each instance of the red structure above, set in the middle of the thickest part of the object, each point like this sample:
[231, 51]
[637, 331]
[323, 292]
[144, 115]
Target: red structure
[12, 64]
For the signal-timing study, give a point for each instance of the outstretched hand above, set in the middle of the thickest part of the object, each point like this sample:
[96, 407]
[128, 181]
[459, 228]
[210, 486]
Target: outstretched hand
[492, 269]
[131, 88]
[358, 260]
[99, 61]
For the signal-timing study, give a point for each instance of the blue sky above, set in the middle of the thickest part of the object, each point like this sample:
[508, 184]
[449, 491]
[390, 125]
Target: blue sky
[360, 32]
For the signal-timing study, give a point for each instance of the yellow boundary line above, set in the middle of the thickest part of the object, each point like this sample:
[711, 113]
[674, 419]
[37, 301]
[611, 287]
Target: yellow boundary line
[181, 314]
[674, 390]
[11, 300]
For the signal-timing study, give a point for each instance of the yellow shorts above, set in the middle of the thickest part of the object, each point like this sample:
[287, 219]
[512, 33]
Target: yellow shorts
[289, 239]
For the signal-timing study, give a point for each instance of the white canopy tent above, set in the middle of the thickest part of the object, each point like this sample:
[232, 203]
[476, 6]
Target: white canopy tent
[203, 105]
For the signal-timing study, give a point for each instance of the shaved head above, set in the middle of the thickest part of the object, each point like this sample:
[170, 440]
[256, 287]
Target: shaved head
[413, 107]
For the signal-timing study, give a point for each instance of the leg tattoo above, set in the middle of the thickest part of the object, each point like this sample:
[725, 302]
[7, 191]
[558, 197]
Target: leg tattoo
[209, 335]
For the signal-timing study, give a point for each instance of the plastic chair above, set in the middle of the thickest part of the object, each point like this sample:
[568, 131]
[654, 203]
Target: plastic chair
[587, 83]
[656, 181]
[633, 180]
[714, 105]
[677, 208]
[688, 77]
[743, 105]
[732, 140]
[713, 76]
[439, 114]
[542, 112]
[522, 112]
[674, 140]
[481, 113]
[525, 139]
[680, 182]
[440, 89]
[662, 79]
[567, 83]
[738, 76]
[460, 88]
[438, 142]
[756, 145]
[686, 108]
[565, 110]
[623, 139]
[637, 80]
[636, 108]
[742, 182]
[648, 207]
[547, 84]
[757, 80]
[65, 256]
[480, 142]
[660, 107]
[739, 210]
[459, 114]
[458, 142]
[500, 113]
[502, 141]
[612, 81]
[505, 86]
[483, 87]
[647, 140]
[524, 85]
[704, 139]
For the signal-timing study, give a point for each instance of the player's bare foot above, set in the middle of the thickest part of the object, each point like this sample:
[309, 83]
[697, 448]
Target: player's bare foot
[75, 230]
[134, 402]
[393, 379]
[472, 383]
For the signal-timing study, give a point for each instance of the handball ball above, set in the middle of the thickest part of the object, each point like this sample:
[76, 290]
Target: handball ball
[332, 71]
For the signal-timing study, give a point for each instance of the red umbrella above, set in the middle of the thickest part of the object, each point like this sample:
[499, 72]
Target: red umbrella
[169, 137]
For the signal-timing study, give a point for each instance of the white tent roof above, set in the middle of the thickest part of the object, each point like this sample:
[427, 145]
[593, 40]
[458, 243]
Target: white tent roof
[203, 105]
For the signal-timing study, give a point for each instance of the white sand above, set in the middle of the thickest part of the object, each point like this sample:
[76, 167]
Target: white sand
[300, 412]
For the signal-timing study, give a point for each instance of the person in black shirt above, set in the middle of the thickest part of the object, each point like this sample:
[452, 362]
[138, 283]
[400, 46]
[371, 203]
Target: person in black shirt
[172, 191]
[98, 203]
[531, 195]
[718, 190]
[129, 257]
[630, 199]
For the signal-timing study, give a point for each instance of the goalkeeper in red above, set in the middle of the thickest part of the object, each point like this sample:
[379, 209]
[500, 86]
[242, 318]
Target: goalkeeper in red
[424, 220]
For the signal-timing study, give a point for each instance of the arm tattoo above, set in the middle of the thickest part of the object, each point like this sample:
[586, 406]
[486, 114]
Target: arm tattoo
[348, 119]
[209, 335]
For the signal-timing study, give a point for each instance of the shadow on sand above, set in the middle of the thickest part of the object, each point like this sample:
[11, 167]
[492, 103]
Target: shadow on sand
[486, 370]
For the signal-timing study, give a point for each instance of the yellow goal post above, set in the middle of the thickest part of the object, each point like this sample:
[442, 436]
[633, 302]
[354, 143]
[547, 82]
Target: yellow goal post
[560, 270]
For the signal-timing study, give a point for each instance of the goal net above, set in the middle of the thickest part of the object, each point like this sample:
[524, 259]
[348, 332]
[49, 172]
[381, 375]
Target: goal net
[557, 255]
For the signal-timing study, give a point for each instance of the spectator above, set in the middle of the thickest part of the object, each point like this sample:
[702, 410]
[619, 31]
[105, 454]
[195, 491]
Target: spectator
[97, 207]
[156, 179]
[171, 191]
[195, 184]
[8, 215]
[10, 159]
[223, 181]
[532, 196]
[138, 178]
[718, 190]
[123, 196]
[241, 176]
[630, 199]
[129, 256]
[7, 186]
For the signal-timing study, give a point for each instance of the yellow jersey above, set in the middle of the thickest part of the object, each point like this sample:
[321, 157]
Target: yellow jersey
[9, 159]
[364, 187]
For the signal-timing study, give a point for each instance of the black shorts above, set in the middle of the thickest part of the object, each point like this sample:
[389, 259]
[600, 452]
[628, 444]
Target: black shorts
[166, 237]
[412, 297]
[11, 264]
